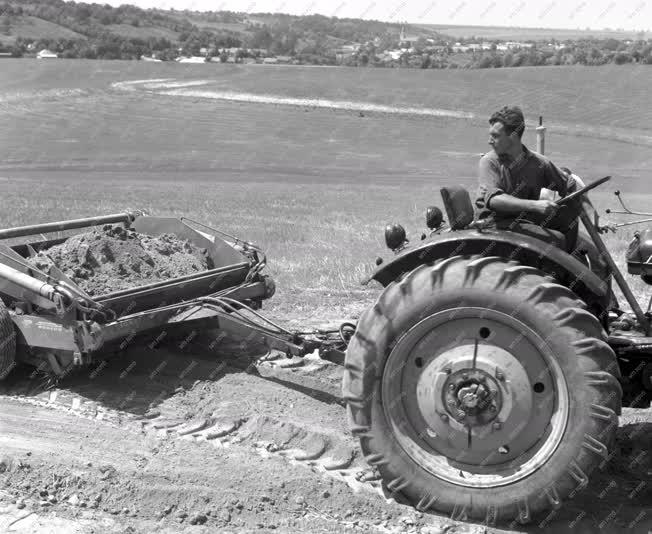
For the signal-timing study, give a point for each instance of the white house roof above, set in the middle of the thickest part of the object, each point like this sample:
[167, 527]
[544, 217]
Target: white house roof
[45, 53]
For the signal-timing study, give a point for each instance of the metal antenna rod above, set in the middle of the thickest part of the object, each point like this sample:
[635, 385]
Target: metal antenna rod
[541, 136]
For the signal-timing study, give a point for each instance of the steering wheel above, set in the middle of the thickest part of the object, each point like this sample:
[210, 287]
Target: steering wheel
[585, 189]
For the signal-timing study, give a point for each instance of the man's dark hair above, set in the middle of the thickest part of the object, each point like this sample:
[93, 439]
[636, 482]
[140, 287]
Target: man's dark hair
[512, 119]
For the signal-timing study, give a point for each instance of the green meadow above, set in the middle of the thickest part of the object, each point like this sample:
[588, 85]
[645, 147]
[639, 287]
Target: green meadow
[310, 163]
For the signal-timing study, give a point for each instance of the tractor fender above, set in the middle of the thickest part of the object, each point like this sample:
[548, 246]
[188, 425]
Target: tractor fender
[503, 243]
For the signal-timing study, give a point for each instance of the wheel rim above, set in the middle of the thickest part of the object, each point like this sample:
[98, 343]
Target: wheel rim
[475, 397]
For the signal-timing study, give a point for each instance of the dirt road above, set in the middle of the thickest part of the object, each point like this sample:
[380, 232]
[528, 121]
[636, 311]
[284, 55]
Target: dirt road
[189, 437]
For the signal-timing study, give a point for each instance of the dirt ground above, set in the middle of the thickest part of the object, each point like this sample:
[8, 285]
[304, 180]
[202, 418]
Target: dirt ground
[113, 258]
[185, 438]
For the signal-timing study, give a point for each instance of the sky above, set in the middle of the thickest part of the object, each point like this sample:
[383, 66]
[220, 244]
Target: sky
[572, 14]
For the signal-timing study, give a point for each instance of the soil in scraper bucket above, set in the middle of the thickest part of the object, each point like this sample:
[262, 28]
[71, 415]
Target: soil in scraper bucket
[114, 258]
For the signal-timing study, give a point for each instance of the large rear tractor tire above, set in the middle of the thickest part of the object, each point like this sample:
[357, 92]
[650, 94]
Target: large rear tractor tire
[480, 388]
[7, 342]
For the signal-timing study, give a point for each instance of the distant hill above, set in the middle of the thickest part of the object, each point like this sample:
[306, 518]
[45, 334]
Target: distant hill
[95, 31]
[56, 19]
[33, 28]
[533, 34]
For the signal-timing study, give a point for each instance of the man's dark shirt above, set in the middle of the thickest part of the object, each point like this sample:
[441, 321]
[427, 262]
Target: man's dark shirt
[523, 178]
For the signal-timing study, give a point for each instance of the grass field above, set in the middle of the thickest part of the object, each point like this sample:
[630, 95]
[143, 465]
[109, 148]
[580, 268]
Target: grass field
[314, 186]
[142, 32]
[26, 26]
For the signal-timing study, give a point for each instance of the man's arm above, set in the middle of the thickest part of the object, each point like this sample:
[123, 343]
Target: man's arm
[509, 204]
[491, 195]
[490, 183]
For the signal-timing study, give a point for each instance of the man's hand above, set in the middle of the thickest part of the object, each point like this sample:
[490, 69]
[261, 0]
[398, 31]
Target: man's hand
[544, 207]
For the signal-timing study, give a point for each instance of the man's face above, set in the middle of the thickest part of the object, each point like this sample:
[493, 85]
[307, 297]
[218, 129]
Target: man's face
[498, 138]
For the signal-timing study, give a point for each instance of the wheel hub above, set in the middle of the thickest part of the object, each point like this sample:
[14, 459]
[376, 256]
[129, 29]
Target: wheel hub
[475, 399]
[472, 396]
[459, 395]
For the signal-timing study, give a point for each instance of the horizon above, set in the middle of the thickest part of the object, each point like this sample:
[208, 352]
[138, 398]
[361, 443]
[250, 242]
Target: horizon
[550, 15]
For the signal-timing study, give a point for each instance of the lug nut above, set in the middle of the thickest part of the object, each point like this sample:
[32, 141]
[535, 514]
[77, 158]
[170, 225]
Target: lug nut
[492, 408]
[447, 370]
[465, 376]
[451, 387]
[444, 417]
[500, 376]
[497, 425]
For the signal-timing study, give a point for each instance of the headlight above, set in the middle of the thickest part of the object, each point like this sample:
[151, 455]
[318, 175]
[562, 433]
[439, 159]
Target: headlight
[434, 217]
[395, 237]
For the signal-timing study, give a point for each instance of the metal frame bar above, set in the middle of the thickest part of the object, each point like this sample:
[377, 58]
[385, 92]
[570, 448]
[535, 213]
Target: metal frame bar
[34, 229]
[618, 276]
[56, 333]
[171, 282]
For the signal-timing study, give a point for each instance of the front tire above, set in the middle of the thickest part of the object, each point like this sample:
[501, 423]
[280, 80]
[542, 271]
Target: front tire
[481, 388]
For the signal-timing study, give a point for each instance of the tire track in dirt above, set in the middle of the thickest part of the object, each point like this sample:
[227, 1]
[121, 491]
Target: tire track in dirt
[282, 413]
[325, 447]
[127, 474]
[274, 415]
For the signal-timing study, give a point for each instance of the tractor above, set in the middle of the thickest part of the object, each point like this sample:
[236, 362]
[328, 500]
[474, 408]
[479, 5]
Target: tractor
[487, 379]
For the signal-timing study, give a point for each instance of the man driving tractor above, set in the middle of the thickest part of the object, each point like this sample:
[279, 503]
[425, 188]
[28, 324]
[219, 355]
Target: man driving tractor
[511, 178]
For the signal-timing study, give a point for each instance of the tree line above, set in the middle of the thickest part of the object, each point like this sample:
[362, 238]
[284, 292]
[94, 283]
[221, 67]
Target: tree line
[311, 39]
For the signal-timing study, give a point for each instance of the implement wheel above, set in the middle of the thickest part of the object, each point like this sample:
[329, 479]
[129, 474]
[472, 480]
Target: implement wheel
[481, 388]
[7, 342]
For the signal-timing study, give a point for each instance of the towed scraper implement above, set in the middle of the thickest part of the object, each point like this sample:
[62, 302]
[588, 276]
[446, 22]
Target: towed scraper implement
[48, 321]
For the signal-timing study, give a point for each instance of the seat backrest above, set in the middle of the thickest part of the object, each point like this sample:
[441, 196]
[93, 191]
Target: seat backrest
[459, 208]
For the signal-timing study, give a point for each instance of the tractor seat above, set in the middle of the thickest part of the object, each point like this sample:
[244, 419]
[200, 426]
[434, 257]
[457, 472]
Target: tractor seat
[459, 208]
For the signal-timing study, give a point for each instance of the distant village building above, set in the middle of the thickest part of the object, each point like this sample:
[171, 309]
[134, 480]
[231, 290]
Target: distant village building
[517, 44]
[346, 51]
[474, 47]
[405, 40]
[191, 59]
[46, 54]
[270, 60]
[148, 58]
